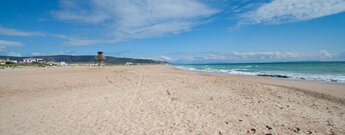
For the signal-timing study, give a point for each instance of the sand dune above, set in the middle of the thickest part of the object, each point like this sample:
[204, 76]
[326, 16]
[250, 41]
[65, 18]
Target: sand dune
[163, 100]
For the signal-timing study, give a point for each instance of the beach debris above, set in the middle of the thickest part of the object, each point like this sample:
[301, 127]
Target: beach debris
[330, 122]
[173, 98]
[330, 131]
[279, 106]
[253, 129]
[296, 130]
[268, 127]
[309, 132]
[249, 97]
[260, 101]
[168, 92]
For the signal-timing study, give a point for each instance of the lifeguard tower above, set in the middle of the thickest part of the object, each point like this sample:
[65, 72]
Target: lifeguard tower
[100, 58]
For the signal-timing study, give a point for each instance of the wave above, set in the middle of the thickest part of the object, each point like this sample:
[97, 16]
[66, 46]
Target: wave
[273, 74]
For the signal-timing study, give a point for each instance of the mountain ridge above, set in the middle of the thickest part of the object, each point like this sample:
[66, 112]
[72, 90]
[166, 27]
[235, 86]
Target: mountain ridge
[87, 59]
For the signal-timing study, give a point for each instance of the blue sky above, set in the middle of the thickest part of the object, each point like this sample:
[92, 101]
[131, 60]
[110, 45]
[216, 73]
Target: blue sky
[179, 31]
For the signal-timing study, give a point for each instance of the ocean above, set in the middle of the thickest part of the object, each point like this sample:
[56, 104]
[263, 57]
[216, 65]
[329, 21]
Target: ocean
[333, 72]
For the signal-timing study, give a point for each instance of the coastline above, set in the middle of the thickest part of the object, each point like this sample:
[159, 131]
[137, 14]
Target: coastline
[323, 90]
[162, 99]
[320, 72]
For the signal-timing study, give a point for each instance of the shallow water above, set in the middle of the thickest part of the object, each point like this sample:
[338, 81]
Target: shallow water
[316, 71]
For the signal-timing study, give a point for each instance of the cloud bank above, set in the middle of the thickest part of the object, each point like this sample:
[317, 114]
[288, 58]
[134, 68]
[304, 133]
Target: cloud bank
[134, 19]
[67, 40]
[285, 11]
[14, 32]
[9, 43]
[262, 56]
[4, 44]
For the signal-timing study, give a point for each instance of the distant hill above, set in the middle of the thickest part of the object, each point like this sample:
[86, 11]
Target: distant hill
[88, 59]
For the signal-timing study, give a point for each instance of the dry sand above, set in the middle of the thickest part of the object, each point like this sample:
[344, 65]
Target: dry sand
[163, 100]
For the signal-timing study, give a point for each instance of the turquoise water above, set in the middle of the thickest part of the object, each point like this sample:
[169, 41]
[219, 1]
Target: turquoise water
[318, 71]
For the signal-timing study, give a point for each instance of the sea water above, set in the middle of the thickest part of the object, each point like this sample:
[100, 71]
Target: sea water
[316, 71]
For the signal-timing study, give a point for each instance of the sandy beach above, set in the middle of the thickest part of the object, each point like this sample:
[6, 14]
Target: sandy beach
[161, 99]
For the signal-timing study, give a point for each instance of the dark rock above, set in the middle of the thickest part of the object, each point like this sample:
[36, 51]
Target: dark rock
[274, 75]
[268, 127]
[168, 92]
[309, 132]
[296, 130]
[253, 129]
[334, 80]
[330, 122]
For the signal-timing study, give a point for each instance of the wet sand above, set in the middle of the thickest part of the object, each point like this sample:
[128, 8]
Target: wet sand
[163, 100]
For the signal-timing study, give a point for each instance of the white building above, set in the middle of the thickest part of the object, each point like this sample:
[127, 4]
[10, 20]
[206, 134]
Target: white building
[63, 63]
[53, 63]
[31, 60]
[13, 61]
[129, 63]
[2, 62]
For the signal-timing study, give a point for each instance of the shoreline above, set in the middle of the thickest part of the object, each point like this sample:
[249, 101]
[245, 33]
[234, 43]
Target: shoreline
[330, 72]
[310, 87]
[161, 99]
[274, 76]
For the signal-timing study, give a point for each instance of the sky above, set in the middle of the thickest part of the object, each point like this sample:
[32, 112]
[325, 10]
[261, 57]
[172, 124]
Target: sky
[178, 31]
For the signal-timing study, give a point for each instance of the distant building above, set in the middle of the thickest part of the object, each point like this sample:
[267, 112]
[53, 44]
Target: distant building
[129, 63]
[62, 63]
[2, 61]
[53, 63]
[50, 63]
[12, 61]
[31, 60]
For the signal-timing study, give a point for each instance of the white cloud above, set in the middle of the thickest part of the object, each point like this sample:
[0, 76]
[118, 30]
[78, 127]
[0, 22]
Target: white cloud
[2, 48]
[166, 58]
[132, 19]
[85, 42]
[36, 54]
[68, 40]
[68, 52]
[266, 55]
[14, 32]
[282, 11]
[325, 54]
[13, 54]
[22, 33]
[9, 43]
[260, 56]
[4, 44]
